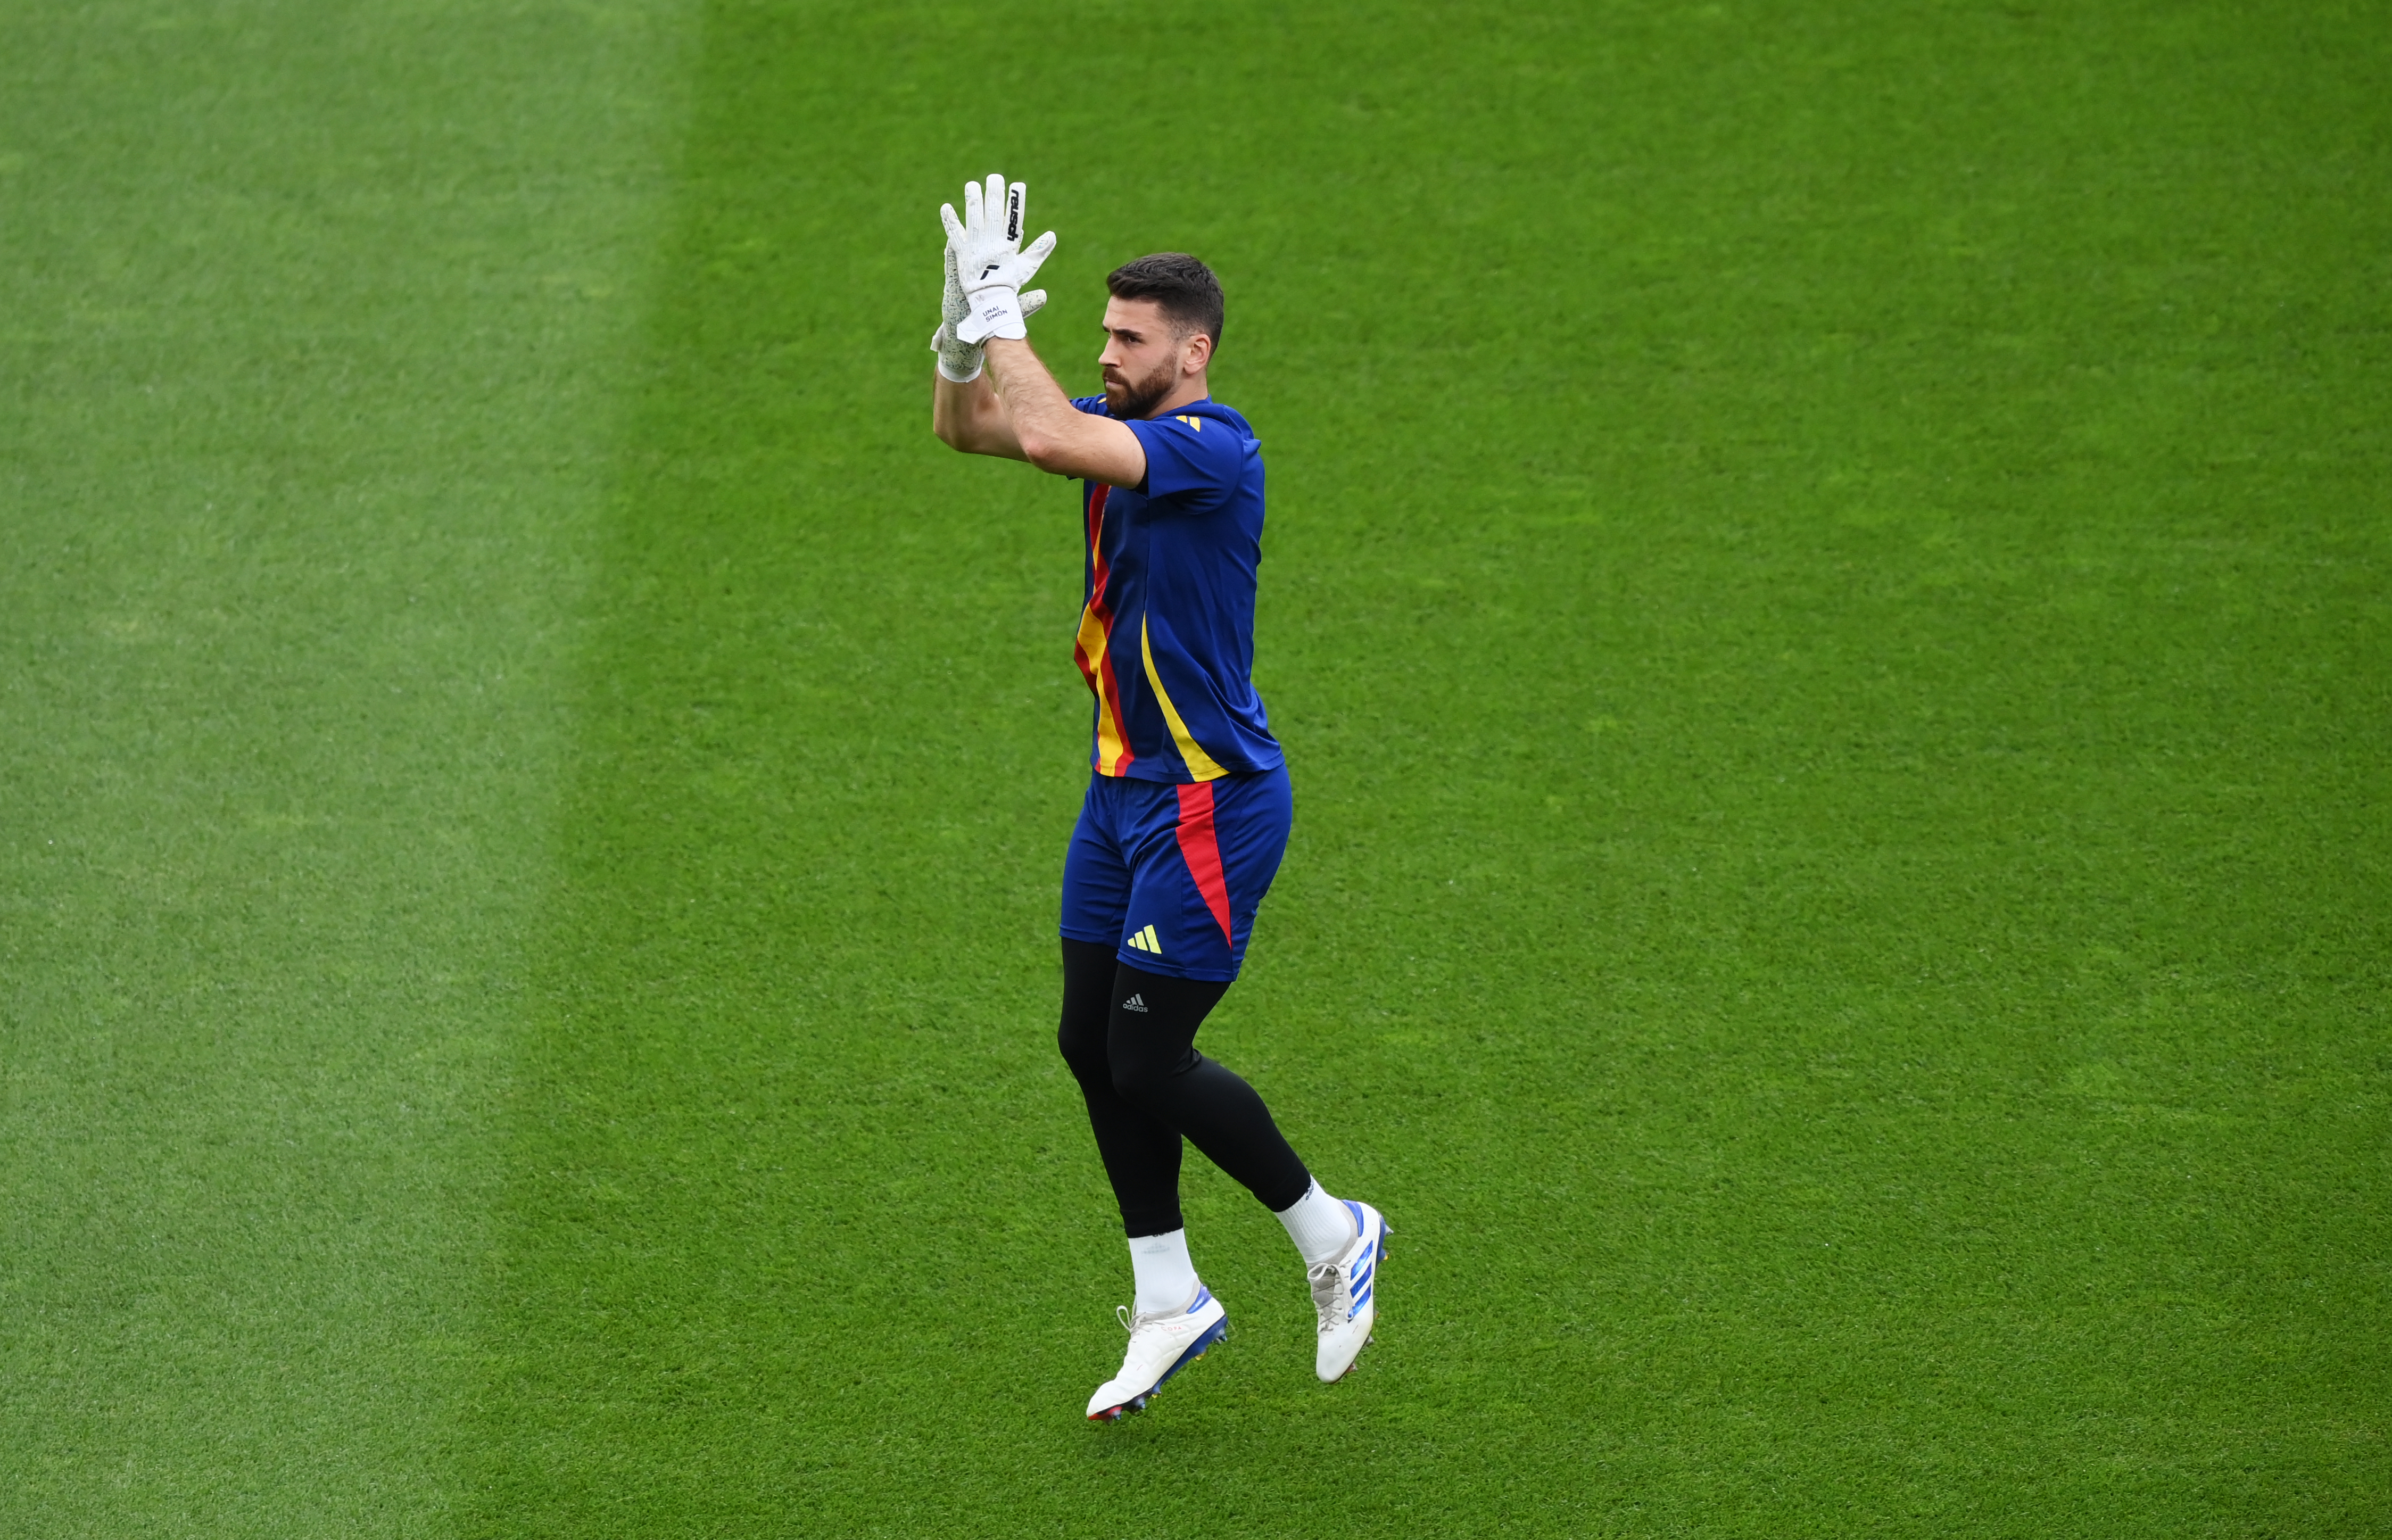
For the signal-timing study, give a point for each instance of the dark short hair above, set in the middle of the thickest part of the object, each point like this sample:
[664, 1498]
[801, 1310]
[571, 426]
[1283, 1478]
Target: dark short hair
[1183, 288]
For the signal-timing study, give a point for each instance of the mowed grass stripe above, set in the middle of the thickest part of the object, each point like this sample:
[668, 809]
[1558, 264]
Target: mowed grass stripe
[307, 317]
[789, 1055]
[1824, 596]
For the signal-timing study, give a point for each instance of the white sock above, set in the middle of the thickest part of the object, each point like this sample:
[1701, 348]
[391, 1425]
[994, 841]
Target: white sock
[1167, 1279]
[1319, 1225]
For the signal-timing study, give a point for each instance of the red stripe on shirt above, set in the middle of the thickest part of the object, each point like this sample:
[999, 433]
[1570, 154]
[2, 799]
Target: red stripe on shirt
[1201, 849]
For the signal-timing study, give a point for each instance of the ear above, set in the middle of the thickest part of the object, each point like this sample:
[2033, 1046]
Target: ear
[1199, 354]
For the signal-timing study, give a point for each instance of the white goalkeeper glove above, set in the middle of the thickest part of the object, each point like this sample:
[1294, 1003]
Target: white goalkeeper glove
[961, 361]
[990, 261]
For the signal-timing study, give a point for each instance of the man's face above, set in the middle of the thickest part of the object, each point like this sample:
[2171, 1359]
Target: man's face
[1144, 357]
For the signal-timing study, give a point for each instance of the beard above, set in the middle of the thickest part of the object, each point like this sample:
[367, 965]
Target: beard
[1126, 399]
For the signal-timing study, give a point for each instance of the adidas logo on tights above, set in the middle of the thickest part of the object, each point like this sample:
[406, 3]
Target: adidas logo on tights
[1136, 1002]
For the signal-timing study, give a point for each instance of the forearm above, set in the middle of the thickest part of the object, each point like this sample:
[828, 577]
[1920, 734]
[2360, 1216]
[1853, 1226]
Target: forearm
[1032, 402]
[1053, 434]
[967, 417]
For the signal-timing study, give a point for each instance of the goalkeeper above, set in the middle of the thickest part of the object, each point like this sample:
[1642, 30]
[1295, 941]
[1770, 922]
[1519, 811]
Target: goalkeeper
[1188, 805]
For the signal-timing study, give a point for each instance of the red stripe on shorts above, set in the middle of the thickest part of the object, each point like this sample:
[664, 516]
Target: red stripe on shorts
[1202, 851]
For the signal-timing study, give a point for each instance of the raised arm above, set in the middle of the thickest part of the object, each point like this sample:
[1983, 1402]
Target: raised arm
[964, 412]
[1049, 431]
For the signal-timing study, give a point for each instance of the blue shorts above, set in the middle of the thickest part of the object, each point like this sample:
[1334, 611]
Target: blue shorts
[1170, 876]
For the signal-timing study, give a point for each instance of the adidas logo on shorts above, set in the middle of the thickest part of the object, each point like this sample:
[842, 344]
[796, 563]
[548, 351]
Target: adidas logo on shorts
[1144, 941]
[1136, 1003]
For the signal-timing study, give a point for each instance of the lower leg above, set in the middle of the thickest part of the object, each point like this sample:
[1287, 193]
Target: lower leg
[1157, 1070]
[1216, 1109]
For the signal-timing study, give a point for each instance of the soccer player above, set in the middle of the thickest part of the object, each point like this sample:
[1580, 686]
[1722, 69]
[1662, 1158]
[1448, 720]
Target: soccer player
[1187, 807]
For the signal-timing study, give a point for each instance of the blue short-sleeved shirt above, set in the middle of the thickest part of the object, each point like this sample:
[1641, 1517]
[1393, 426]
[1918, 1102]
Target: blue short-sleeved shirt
[1166, 638]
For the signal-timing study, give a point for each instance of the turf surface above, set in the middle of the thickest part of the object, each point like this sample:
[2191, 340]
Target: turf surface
[1827, 598]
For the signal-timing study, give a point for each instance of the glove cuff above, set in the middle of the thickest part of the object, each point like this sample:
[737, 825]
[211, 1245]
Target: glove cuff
[996, 312]
[954, 355]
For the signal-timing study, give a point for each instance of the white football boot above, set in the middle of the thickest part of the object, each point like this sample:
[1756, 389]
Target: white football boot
[1160, 1346]
[1346, 1293]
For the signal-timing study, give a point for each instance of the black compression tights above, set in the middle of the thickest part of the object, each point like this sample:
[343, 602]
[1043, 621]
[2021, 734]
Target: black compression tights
[1146, 1086]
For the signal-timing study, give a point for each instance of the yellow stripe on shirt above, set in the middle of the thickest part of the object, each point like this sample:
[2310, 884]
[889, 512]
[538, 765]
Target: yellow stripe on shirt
[1200, 763]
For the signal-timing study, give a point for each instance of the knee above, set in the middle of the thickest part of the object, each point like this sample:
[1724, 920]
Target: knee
[1145, 1080]
[1083, 1051]
[1133, 1084]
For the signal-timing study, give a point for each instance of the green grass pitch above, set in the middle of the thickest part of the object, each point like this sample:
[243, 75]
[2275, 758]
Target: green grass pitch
[1830, 597]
